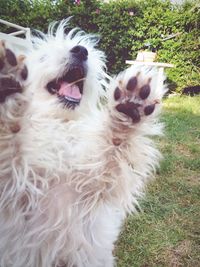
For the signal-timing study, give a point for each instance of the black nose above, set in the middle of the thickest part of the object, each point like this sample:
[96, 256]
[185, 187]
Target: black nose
[80, 52]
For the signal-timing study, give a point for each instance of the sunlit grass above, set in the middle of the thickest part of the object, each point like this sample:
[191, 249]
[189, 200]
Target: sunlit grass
[167, 232]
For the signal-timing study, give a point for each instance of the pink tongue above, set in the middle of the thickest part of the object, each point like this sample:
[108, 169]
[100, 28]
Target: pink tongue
[69, 90]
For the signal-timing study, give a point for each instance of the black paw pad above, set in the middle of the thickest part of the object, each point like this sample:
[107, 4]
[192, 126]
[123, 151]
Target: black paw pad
[8, 86]
[129, 109]
[11, 57]
[132, 83]
[144, 91]
[24, 73]
[8, 92]
[149, 109]
[117, 93]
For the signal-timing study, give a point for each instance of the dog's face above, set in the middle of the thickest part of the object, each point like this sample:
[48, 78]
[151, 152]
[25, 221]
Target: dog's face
[67, 69]
[68, 86]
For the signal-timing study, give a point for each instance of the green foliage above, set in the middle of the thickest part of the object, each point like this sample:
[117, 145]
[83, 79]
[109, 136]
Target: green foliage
[115, 22]
[124, 27]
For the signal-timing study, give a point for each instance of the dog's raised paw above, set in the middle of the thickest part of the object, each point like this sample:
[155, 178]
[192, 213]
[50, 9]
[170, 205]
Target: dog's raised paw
[13, 72]
[132, 97]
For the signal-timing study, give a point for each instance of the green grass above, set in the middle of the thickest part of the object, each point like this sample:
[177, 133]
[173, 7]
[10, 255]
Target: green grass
[167, 232]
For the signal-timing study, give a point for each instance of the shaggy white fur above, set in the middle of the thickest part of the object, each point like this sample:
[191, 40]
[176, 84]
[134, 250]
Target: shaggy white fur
[69, 171]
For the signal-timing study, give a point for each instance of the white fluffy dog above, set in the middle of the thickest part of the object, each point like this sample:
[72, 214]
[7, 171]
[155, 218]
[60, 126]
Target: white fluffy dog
[75, 152]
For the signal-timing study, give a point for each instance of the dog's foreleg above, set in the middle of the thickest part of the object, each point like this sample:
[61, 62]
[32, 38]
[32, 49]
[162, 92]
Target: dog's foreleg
[134, 103]
[13, 103]
[13, 76]
[125, 156]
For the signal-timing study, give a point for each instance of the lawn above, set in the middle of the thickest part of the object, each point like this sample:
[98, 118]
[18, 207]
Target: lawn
[167, 232]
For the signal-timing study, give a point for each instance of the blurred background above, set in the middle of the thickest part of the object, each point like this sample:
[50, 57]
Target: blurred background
[169, 28]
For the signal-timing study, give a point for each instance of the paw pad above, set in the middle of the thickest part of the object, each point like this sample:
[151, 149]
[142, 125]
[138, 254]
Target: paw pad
[130, 109]
[24, 73]
[149, 109]
[117, 94]
[132, 83]
[133, 98]
[144, 91]
[11, 58]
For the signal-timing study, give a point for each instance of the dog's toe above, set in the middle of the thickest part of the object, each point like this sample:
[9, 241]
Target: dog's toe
[144, 91]
[11, 58]
[24, 73]
[132, 83]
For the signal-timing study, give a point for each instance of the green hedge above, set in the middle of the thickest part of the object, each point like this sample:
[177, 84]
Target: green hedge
[125, 26]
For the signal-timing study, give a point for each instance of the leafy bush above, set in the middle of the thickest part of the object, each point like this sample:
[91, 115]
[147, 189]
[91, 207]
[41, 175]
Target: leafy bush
[125, 27]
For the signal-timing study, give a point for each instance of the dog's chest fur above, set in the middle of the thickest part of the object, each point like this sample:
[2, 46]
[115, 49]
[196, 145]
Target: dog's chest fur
[70, 166]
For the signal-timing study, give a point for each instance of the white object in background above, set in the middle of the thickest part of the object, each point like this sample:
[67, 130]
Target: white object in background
[21, 44]
[146, 56]
[158, 65]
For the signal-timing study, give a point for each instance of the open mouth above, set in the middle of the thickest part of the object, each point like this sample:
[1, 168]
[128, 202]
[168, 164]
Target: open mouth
[69, 87]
